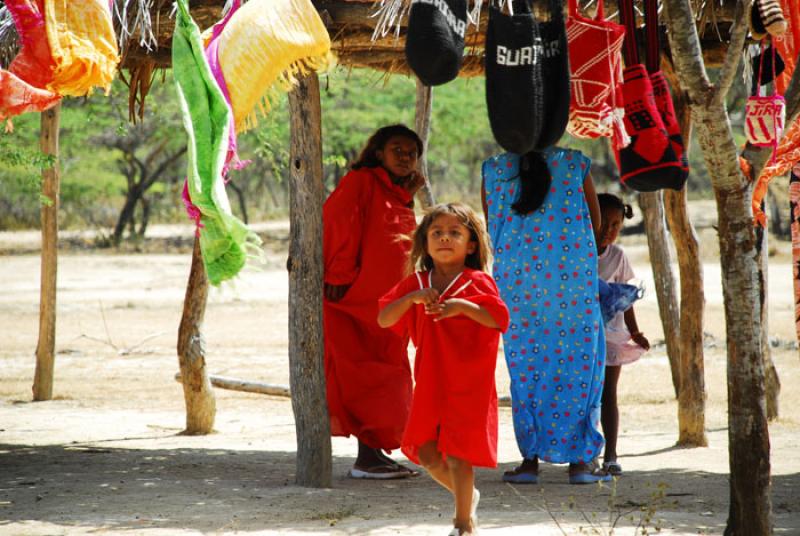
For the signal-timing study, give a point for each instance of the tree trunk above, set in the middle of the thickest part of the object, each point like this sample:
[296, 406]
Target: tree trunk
[306, 368]
[126, 216]
[750, 512]
[661, 261]
[45, 348]
[146, 206]
[773, 383]
[241, 199]
[201, 407]
[692, 392]
[422, 124]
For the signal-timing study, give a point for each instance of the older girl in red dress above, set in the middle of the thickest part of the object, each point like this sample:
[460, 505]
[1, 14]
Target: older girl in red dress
[366, 368]
[454, 314]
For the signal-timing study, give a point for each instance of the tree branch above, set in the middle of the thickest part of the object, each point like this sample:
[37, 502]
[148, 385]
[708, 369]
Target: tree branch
[734, 54]
[687, 55]
[163, 167]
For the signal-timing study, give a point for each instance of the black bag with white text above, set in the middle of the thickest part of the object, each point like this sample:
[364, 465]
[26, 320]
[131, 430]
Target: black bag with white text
[514, 85]
[435, 39]
[555, 71]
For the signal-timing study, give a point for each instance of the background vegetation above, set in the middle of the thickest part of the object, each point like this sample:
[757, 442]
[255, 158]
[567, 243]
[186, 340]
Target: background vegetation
[107, 161]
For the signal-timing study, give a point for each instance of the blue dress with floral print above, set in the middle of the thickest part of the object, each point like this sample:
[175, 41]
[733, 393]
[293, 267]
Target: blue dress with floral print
[545, 266]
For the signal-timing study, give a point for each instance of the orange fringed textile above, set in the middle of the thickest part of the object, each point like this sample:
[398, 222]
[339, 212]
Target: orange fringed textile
[83, 45]
[21, 87]
[786, 156]
[788, 45]
[268, 41]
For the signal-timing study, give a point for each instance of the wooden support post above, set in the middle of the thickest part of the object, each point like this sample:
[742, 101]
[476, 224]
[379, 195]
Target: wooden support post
[661, 261]
[306, 369]
[201, 407]
[692, 394]
[422, 125]
[45, 348]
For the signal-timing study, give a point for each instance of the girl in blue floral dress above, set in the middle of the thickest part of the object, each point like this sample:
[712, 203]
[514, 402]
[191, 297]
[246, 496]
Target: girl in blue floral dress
[540, 211]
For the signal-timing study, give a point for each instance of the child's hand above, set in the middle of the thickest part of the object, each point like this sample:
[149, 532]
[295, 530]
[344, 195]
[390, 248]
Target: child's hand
[415, 182]
[641, 340]
[425, 296]
[334, 293]
[445, 309]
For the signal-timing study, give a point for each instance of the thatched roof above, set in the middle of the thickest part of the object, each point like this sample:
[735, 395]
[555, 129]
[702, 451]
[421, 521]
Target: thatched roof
[146, 26]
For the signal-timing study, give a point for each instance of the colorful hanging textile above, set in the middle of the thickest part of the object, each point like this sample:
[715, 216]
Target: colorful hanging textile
[22, 86]
[268, 41]
[83, 45]
[794, 218]
[788, 44]
[224, 240]
[34, 64]
[211, 42]
[786, 156]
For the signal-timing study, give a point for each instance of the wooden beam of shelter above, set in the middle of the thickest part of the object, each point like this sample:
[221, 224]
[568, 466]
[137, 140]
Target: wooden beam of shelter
[351, 26]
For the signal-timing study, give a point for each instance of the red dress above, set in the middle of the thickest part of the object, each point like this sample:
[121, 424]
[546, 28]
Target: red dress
[455, 401]
[366, 368]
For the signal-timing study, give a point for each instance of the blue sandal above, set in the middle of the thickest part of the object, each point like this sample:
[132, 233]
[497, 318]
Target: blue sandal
[520, 477]
[589, 476]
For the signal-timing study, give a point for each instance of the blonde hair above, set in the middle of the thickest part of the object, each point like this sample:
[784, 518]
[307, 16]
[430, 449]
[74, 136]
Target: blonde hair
[419, 259]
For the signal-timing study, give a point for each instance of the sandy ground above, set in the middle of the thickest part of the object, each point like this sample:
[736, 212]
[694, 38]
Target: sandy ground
[106, 455]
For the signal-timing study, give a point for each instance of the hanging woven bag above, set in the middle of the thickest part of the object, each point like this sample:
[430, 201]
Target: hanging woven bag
[764, 116]
[661, 92]
[555, 70]
[435, 39]
[514, 84]
[649, 162]
[595, 61]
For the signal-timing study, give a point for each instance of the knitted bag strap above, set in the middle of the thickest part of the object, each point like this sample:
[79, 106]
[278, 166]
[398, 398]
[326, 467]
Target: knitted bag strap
[761, 68]
[627, 17]
[651, 35]
[572, 6]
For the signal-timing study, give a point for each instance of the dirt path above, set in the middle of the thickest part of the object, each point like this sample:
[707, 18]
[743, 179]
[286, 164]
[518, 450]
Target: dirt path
[106, 456]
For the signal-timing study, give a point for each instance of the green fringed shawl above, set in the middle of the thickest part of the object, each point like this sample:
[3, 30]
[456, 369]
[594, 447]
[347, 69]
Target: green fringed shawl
[224, 239]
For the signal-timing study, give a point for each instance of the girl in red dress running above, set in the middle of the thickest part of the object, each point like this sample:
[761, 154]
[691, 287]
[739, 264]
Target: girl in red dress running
[454, 315]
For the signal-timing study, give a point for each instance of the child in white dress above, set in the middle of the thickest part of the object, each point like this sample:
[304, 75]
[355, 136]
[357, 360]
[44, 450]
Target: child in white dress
[625, 343]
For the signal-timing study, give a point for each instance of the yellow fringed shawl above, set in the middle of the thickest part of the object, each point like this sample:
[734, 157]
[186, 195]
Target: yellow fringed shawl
[268, 41]
[83, 45]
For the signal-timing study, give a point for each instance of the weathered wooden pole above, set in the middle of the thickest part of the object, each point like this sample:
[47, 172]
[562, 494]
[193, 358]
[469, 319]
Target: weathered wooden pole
[306, 369]
[201, 407]
[45, 348]
[661, 261]
[422, 125]
[692, 392]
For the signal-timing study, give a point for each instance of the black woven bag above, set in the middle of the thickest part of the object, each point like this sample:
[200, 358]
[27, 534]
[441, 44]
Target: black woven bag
[435, 39]
[514, 84]
[555, 70]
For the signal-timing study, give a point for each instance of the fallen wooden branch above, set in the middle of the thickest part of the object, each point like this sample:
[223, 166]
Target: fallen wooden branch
[235, 384]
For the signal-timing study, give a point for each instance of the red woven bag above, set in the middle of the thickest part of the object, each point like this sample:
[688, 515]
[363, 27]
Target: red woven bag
[650, 162]
[595, 58]
[764, 116]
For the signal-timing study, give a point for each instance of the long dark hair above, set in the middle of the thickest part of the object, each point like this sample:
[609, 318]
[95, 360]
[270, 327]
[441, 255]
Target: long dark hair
[534, 183]
[377, 142]
[607, 200]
